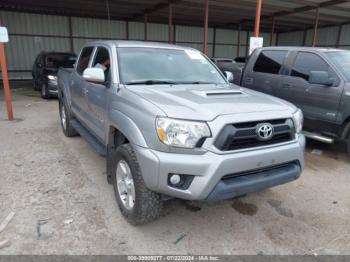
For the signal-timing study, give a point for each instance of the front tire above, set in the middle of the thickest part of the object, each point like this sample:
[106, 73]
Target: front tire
[137, 203]
[66, 119]
[44, 91]
[35, 85]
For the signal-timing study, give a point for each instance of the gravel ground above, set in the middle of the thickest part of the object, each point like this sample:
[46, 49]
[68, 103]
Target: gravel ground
[63, 205]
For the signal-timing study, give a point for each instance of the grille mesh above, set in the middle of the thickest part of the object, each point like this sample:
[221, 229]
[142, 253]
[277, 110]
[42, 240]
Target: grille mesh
[244, 135]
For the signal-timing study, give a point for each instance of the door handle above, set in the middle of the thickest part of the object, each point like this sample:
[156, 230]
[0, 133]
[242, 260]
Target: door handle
[85, 91]
[249, 81]
[287, 85]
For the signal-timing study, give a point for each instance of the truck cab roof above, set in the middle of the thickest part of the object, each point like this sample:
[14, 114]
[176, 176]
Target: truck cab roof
[127, 43]
[301, 48]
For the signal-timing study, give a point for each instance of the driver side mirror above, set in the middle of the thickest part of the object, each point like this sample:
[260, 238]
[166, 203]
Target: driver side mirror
[229, 76]
[96, 75]
[321, 78]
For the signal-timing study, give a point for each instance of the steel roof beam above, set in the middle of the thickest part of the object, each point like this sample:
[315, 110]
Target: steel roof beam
[153, 9]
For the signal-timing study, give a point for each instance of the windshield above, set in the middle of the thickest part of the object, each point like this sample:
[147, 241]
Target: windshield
[342, 60]
[165, 66]
[60, 60]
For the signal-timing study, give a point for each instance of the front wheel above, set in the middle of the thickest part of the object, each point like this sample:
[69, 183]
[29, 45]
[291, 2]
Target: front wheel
[44, 91]
[35, 84]
[66, 118]
[137, 203]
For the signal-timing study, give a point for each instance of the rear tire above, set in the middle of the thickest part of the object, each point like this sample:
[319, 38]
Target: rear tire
[66, 118]
[137, 203]
[44, 91]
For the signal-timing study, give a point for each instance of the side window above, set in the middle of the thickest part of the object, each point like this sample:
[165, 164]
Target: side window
[84, 59]
[307, 62]
[102, 60]
[270, 62]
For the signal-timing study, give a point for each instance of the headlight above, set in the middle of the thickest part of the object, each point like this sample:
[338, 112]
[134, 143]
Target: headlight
[51, 77]
[298, 119]
[181, 133]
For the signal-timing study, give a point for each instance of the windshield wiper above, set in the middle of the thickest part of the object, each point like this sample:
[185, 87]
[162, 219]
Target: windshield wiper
[151, 82]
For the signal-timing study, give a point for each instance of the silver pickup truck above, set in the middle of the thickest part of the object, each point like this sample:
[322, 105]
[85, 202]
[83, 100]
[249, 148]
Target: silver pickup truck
[171, 125]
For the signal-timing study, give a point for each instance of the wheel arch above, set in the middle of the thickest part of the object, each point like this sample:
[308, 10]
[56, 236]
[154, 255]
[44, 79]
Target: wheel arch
[116, 137]
[122, 127]
[346, 128]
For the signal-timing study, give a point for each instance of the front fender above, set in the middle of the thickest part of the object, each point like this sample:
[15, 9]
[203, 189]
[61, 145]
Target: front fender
[127, 127]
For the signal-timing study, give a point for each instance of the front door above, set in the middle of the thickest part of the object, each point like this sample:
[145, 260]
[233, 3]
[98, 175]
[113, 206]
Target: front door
[78, 84]
[318, 102]
[97, 94]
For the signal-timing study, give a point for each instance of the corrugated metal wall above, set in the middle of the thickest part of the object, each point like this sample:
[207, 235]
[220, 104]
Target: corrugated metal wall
[293, 38]
[28, 35]
[32, 33]
[326, 37]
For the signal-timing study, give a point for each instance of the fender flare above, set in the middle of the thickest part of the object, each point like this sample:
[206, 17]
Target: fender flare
[127, 127]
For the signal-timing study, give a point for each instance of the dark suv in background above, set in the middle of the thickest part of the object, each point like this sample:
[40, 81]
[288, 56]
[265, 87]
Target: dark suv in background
[45, 69]
[317, 80]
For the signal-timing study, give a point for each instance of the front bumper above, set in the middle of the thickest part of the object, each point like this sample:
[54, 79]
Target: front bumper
[241, 184]
[210, 168]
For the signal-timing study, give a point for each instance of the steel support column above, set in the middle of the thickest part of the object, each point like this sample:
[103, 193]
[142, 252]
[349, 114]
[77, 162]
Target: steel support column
[314, 37]
[257, 18]
[238, 38]
[145, 26]
[247, 44]
[214, 42]
[339, 35]
[206, 18]
[127, 30]
[170, 24]
[272, 30]
[174, 35]
[277, 37]
[71, 34]
[5, 80]
[304, 37]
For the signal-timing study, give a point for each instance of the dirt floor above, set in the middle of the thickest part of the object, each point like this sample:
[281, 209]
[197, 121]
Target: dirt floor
[63, 205]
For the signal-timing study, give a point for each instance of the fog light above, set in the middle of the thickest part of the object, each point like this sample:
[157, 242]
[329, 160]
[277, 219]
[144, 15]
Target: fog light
[180, 181]
[175, 179]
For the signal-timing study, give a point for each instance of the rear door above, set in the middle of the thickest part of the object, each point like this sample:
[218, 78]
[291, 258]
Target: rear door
[264, 74]
[97, 94]
[318, 102]
[78, 84]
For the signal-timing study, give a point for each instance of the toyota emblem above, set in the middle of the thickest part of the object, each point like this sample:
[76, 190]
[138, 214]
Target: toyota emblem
[264, 131]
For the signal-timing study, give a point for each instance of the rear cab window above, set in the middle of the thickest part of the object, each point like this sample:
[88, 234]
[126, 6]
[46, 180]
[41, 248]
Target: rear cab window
[56, 60]
[270, 61]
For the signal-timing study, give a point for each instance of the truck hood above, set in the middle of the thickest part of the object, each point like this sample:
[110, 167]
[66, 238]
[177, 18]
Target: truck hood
[206, 102]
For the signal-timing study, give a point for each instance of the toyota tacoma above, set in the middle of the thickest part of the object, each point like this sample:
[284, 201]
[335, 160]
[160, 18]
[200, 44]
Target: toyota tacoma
[172, 126]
